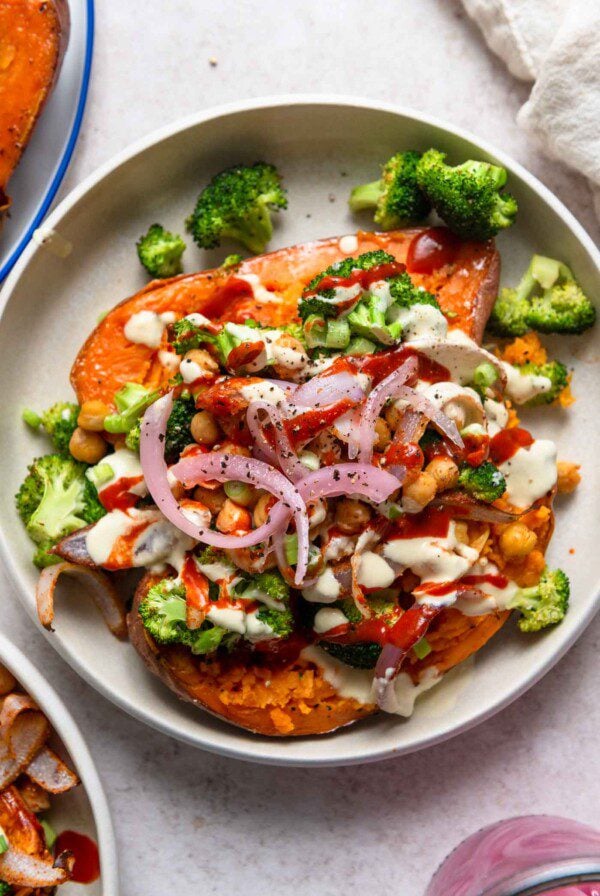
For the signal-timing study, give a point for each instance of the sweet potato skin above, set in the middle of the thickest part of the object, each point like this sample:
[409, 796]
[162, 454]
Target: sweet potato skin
[296, 701]
[33, 39]
[107, 360]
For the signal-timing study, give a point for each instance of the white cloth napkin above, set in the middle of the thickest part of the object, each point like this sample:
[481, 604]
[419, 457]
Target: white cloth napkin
[555, 44]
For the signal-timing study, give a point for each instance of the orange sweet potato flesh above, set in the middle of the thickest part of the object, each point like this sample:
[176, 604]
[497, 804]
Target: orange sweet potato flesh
[107, 361]
[33, 38]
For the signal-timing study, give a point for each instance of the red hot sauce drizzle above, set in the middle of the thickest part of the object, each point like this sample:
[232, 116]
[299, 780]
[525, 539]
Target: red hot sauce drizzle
[432, 249]
[506, 443]
[85, 852]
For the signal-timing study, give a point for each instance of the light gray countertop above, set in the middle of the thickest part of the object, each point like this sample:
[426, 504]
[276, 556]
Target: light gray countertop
[187, 821]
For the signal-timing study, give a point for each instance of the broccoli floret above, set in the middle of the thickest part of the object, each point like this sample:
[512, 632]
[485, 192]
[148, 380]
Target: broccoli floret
[554, 371]
[54, 500]
[544, 604]
[178, 428]
[317, 306]
[484, 377]
[160, 252]
[269, 587]
[396, 197]
[5, 889]
[230, 262]
[281, 622]
[361, 656]
[368, 319]
[131, 401]
[163, 613]
[237, 204]
[547, 299]
[59, 422]
[405, 293]
[364, 654]
[132, 439]
[346, 266]
[467, 197]
[185, 336]
[484, 483]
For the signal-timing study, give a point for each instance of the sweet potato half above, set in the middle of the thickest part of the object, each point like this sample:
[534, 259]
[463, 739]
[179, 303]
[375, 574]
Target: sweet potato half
[33, 40]
[285, 698]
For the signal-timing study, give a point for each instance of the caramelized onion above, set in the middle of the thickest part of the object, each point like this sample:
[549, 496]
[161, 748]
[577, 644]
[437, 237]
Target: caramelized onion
[50, 772]
[23, 870]
[103, 592]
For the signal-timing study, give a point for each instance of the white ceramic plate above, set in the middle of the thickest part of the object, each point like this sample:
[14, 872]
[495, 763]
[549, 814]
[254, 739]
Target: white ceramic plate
[323, 147]
[47, 157]
[83, 809]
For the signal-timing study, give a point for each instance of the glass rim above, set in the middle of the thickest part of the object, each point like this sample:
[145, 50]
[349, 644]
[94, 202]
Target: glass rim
[543, 879]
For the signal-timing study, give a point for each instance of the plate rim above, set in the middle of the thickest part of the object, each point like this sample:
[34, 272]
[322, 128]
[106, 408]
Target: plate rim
[241, 752]
[65, 158]
[62, 721]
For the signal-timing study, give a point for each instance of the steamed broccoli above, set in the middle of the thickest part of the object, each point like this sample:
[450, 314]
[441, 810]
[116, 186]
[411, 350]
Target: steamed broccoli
[346, 266]
[281, 622]
[467, 197]
[237, 204]
[396, 197]
[54, 500]
[131, 401]
[331, 334]
[485, 376]
[269, 587]
[554, 371]
[185, 335]
[178, 428]
[160, 252]
[132, 439]
[544, 604]
[484, 483]
[163, 613]
[362, 654]
[405, 294]
[5, 889]
[59, 422]
[547, 299]
[368, 319]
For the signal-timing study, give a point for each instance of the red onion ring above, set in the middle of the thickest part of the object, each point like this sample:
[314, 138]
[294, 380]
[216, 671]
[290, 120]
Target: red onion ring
[324, 390]
[348, 479]
[361, 443]
[422, 404]
[284, 454]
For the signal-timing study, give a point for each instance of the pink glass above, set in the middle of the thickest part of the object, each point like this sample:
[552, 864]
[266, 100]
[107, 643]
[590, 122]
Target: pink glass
[535, 854]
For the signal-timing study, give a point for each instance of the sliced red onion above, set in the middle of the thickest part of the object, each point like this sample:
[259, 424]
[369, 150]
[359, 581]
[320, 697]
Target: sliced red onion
[103, 592]
[324, 390]
[361, 441]
[284, 454]
[50, 772]
[348, 479]
[442, 423]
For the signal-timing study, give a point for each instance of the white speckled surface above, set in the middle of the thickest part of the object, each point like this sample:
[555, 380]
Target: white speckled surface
[189, 821]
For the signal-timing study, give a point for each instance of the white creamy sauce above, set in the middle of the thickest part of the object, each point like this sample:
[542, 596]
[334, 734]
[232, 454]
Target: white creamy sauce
[421, 322]
[263, 391]
[102, 536]
[374, 572]
[158, 543]
[325, 590]
[431, 558]
[190, 370]
[460, 354]
[357, 684]
[146, 327]
[169, 360]
[496, 415]
[327, 619]
[236, 620]
[260, 292]
[521, 387]
[530, 473]
[348, 244]
[216, 571]
[347, 296]
[460, 403]
[290, 358]
[338, 547]
[124, 464]
[200, 516]
[493, 598]
[252, 334]
[198, 320]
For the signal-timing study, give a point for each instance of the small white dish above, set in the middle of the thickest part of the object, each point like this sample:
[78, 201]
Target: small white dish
[47, 156]
[323, 146]
[85, 808]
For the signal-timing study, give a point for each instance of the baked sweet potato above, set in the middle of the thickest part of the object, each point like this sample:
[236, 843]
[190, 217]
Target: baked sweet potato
[467, 288]
[33, 39]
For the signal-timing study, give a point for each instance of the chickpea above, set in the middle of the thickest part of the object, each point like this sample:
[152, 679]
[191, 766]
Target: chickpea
[516, 541]
[351, 516]
[444, 471]
[292, 359]
[232, 448]
[392, 416]
[88, 447]
[383, 434]
[261, 511]
[213, 498]
[205, 361]
[233, 518]
[417, 494]
[204, 428]
[92, 414]
[568, 477]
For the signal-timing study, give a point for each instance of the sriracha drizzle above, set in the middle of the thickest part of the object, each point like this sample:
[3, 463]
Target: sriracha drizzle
[432, 249]
[85, 852]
